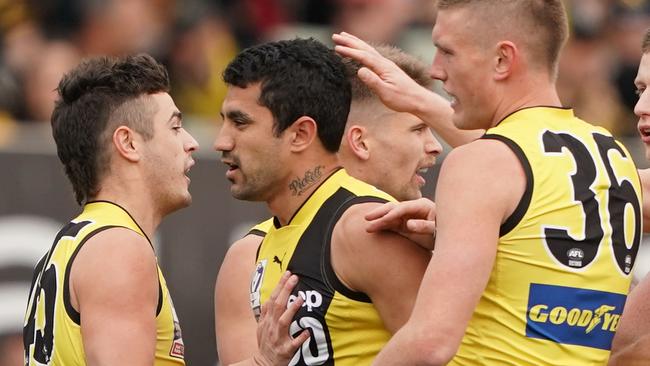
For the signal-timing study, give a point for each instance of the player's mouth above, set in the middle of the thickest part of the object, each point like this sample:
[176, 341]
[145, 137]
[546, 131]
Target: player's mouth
[453, 101]
[644, 131]
[419, 175]
[232, 168]
[189, 166]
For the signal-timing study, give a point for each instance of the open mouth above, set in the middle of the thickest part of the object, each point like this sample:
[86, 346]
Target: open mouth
[645, 131]
[187, 170]
[232, 168]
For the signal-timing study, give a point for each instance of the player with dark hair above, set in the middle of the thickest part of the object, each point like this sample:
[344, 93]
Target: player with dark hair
[284, 116]
[388, 149]
[98, 296]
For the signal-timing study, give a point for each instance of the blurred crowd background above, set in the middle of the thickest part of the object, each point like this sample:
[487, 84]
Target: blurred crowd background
[41, 39]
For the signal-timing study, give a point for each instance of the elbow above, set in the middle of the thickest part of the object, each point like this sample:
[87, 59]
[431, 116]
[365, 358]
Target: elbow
[435, 350]
[435, 355]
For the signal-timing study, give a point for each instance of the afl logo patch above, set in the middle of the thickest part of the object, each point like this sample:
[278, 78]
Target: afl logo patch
[575, 255]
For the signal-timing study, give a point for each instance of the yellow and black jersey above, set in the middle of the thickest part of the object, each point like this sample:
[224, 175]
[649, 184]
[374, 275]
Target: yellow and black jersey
[52, 333]
[345, 327]
[565, 256]
[262, 228]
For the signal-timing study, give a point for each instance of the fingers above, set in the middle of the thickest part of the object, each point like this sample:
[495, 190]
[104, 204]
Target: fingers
[291, 310]
[285, 289]
[300, 339]
[380, 211]
[352, 41]
[369, 78]
[418, 226]
[278, 288]
[395, 216]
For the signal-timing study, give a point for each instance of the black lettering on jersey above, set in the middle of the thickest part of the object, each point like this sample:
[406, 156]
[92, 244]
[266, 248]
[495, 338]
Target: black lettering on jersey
[559, 241]
[44, 291]
[620, 195]
[579, 253]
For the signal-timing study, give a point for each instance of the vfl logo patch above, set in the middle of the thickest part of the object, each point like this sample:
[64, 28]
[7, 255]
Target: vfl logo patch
[571, 315]
[256, 285]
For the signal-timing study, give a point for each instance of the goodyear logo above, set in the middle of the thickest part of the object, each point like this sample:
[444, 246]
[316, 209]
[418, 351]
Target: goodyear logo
[575, 316]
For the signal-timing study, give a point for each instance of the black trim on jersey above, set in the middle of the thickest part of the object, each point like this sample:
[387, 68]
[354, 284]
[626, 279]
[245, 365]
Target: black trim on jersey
[524, 203]
[533, 106]
[276, 221]
[256, 232]
[261, 234]
[160, 295]
[70, 310]
[326, 264]
[132, 218]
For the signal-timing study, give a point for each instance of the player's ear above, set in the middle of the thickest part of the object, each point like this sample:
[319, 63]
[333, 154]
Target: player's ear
[355, 137]
[506, 58]
[126, 143]
[302, 133]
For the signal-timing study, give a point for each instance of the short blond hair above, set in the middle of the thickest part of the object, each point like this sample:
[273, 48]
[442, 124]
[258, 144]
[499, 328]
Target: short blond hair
[542, 23]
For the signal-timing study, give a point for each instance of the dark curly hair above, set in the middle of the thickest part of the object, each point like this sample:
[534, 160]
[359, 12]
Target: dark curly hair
[93, 99]
[299, 77]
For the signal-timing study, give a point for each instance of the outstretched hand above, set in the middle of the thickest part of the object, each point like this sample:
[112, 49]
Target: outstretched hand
[392, 85]
[415, 220]
[276, 346]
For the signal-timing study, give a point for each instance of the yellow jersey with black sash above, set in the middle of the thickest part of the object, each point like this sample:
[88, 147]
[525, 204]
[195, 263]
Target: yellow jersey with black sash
[565, 256]
[261, 229]
[345, 327]
[52, 332]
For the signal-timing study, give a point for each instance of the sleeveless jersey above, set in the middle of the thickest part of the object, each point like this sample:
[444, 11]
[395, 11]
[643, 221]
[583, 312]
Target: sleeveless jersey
[345, 327]
[52, 332]
[262, 228]
[564, 257]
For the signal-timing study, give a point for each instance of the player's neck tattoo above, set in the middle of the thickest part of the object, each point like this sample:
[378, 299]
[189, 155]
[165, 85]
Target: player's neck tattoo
[298, 186]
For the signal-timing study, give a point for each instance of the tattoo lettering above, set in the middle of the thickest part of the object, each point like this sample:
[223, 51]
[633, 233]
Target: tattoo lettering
[298, 186]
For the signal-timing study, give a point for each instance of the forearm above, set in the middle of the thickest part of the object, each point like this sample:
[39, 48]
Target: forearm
[436, 112]
[636, 354]
[420, 352]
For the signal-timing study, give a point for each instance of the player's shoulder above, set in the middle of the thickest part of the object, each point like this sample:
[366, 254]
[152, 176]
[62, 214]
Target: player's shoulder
[245, 247]
[482, 155]
[350, 230]
[117, 247]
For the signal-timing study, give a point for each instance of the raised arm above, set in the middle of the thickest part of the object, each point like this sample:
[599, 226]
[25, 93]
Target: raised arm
[114, 286]
[380, 265]
[469, 216]
[235, 325]
[401, 93]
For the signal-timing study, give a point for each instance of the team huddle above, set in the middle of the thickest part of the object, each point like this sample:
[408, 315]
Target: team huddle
[525, 258]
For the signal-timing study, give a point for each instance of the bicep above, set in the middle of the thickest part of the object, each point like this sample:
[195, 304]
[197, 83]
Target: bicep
[117, 288]
[380, 265]
[235, 324]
